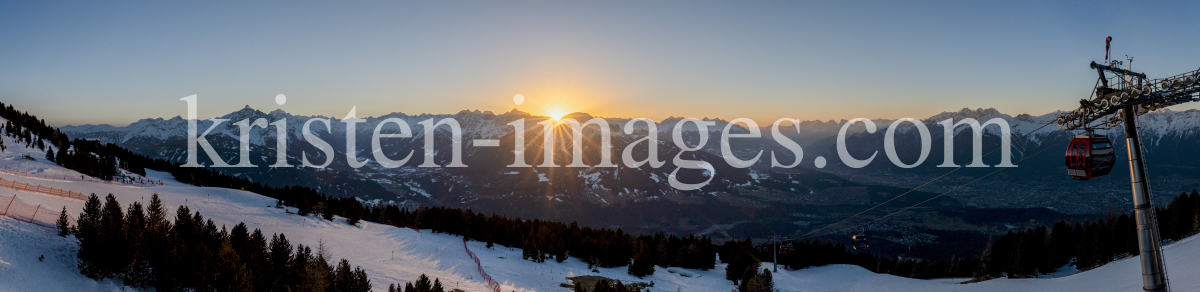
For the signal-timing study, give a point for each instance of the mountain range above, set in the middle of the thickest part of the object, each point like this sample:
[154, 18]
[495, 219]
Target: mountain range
[641, 197]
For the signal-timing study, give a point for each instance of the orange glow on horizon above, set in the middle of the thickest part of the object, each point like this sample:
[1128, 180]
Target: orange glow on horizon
[557, 108]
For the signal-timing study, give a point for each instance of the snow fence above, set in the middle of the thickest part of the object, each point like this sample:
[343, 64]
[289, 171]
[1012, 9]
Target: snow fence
[13, 207]
[16, 185]
[492, 284]
[81, 177]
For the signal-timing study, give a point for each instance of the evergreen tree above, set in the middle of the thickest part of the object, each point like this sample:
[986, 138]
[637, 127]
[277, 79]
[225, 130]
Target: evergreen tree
[643, 265]
[303, 209]
[342, 276]
[422, 284]
[1062, 244]
[230, 272]
[257, 260]
[156, 216]
[739, 259]
[63, 224]
[298, 272]
[320, 273]
[749, 281]
[281, 252]
[62, 156]
[361, 281]
[137, 273]
[437, 286]
[353, 216]
[1030, 251]
[112, 241]
[155, 247]
[766, 281]
[50, 155]
[239, 238]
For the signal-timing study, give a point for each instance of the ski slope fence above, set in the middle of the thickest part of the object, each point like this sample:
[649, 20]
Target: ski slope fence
[17, 209]
[83, 178]
[16, 185]
[495, 286]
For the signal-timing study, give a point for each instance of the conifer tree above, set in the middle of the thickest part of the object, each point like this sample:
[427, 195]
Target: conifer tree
[281, 252]
[137, 272]
[749, 282]
[63, 224]
[303, 209]
[320, 273]
[353, 216]
[62, 156]
[361, 281]
[156, 240]
[422, 284]
[766, 281]
[345, 279]
[230, 272]
[111, 258]
[298, 274]
[437, 286]
[239, 238]
[643, 265]
[155, 214]
[342, 276]
[257, 259]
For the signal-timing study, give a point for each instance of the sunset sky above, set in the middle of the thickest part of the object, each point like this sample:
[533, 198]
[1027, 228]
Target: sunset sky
[115, 63]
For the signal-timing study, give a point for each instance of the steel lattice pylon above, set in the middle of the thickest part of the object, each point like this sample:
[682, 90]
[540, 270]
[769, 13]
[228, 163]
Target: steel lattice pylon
[1130, 94]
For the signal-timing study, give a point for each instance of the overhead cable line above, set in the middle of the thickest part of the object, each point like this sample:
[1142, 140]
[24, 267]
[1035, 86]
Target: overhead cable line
[923, 185]
[926, 200]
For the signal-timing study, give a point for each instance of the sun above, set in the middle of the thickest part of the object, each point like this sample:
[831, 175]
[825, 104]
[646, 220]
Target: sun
[557, 115]
[556, 109]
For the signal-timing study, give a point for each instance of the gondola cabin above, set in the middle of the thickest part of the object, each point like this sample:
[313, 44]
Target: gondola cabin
[860, 242]
[1090, 156]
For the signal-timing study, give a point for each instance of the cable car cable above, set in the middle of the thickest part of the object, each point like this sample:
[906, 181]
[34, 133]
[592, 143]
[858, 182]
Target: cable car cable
[924, 184]
[927, 200]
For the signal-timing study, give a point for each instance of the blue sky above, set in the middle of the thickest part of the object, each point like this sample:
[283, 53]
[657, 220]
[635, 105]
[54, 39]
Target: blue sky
[102, 62]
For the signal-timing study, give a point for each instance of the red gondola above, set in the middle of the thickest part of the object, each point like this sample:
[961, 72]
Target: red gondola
[1090, 156]
[859, 241]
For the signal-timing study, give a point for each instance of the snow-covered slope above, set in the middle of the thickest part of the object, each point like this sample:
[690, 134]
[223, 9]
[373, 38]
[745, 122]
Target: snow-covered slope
[21, 244]
[392, 255]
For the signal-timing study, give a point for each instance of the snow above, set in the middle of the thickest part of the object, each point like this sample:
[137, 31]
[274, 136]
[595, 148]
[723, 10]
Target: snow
[398, 255]
[416, 188]
[20, 270]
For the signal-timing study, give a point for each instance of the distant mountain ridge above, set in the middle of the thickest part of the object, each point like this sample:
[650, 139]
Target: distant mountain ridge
[562, 193]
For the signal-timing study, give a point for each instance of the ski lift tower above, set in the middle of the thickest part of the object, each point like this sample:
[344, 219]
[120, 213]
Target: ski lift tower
[1119, 100]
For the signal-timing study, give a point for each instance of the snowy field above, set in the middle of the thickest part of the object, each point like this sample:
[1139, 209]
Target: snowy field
[399, 255]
